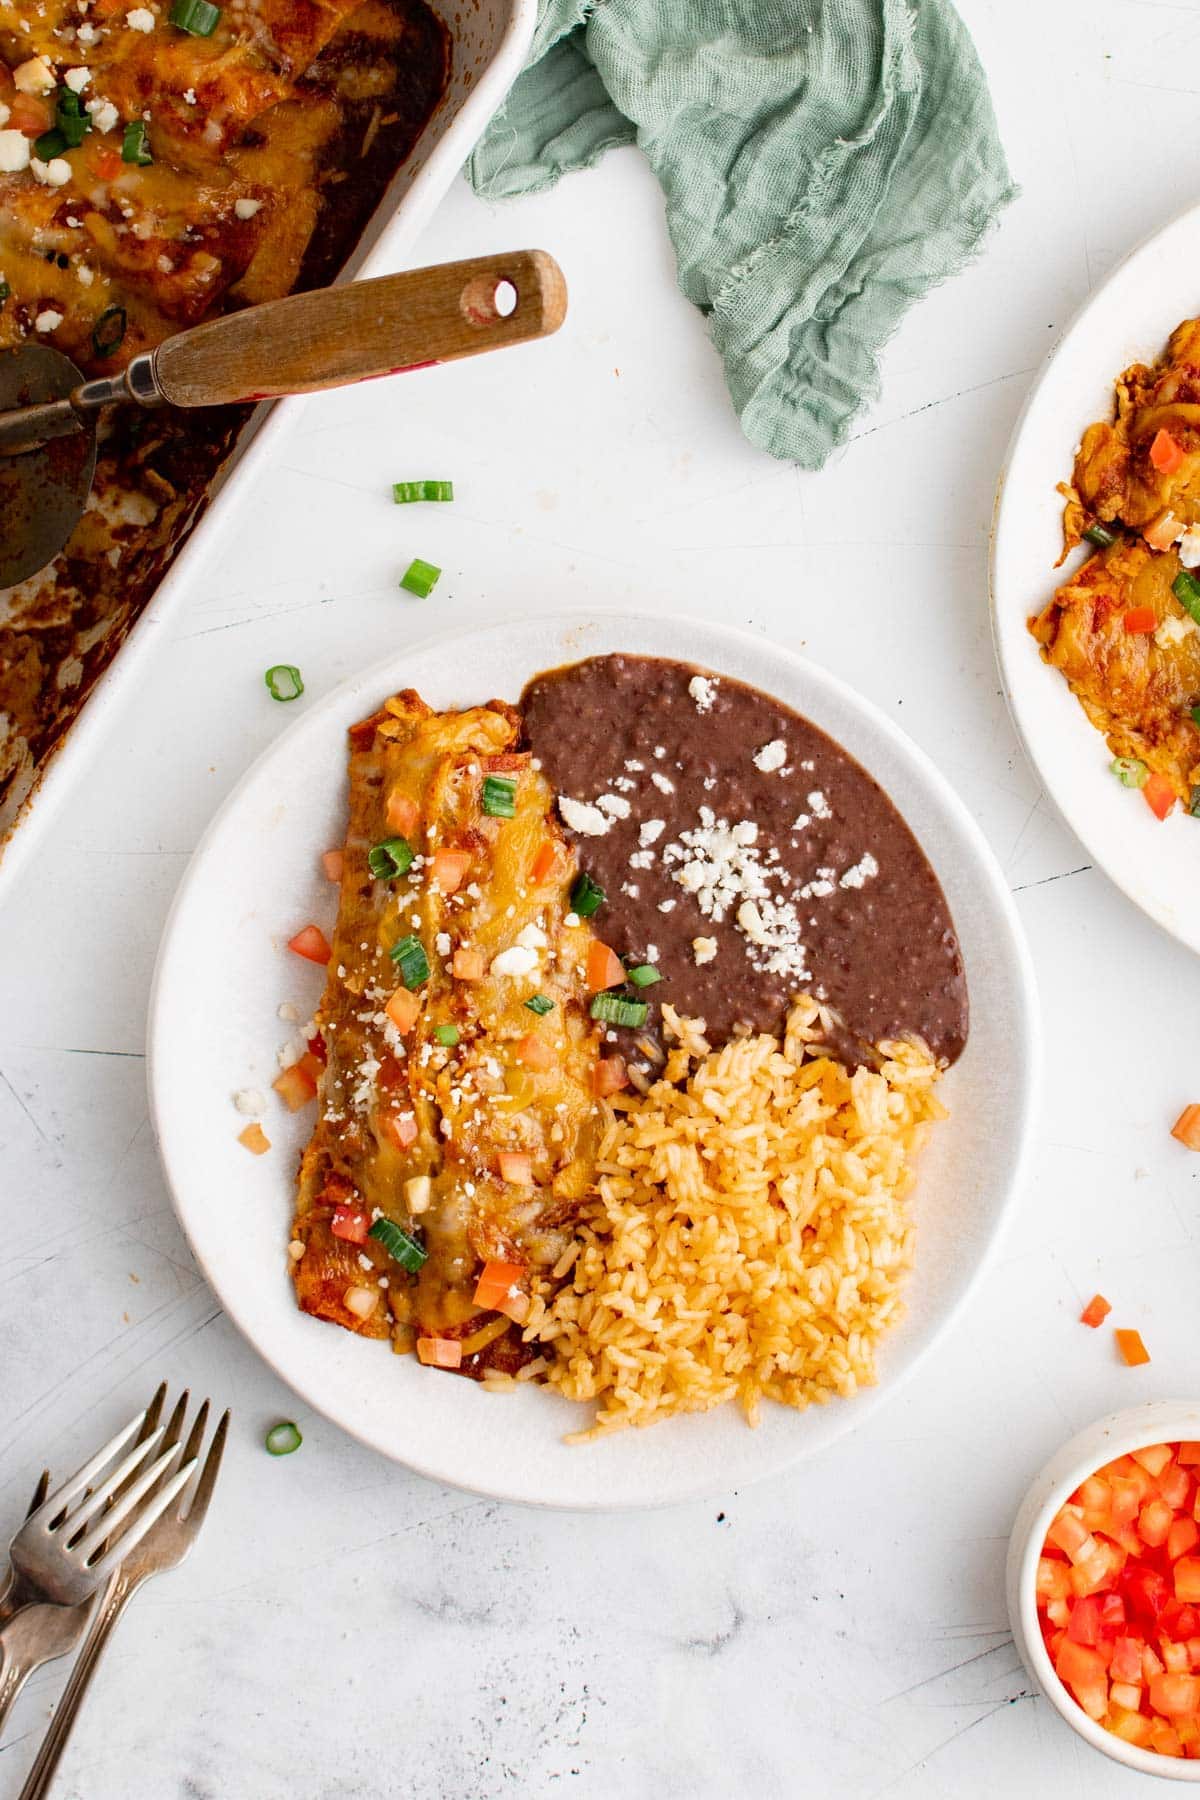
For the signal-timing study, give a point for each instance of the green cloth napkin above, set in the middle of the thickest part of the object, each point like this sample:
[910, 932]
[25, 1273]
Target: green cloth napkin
[824, 163]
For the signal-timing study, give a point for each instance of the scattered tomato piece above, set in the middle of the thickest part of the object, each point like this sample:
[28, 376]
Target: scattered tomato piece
[496, 1282]
[1158, 794]
[1165, 453]
[534, 1052]
[448, 869]
[543, 865]
[400, 1129]
[1130, 1344]
[1096, 1311]
[403, 1009]
[1187, 1129]
[402, 814]
[604, 967]
[1140, 620]
[350, 1223]
[332, 862]
[255, 1139]
[296, 1086]
[312, 944]
[516, 1167]
[609, 1076]
[440, 1353]
[468, 965]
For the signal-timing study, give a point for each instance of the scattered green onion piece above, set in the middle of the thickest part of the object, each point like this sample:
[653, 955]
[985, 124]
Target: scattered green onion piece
[1100, 536]
[51, 143]
[446, 1034]
[283, 681]
[134, 147]
[283, 1438]
[108, 334]
[5, 291]
[411, 961]
[405, 492]
[68, 101]
[615, 1009]
[1186, 590]
[1196, 715]
[586, 897]
[1194, 803]
[195, 16]
[420, 578]
[645, 975]
[539, 1004]
[1130, 772]
[404, 1249]
[74, 128]
[499, 797]
[391, 858]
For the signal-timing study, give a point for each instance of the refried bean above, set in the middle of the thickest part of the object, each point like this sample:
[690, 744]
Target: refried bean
[820, 884]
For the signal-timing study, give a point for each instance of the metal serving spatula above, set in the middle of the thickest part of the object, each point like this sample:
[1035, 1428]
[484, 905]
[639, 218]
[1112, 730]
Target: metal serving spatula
[299, 345]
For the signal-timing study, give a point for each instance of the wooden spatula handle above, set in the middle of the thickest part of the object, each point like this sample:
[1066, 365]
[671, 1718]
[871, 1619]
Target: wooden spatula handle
[343, 334]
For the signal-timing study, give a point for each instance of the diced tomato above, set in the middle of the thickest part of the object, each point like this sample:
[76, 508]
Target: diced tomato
[1099, 1570]
[448, 869]
[468, 965]
[1174, 1693]
[1158, 794]
[1069, 1532]
[1151, 1664]
[1193, 1645]
[403, 1009]
[534, 1052]
[1140, 620]
[1112, 1613]
[604, 967]
[1146, 1591]
[1154, 1522]
[1178, 1620]
[544, 865]
[1096, 1311]
[107, 163]
[400, 1129]
[401, 814]
[1084, 1627]
[1163, 1740]
[1187, 1578]
[318, 1048]
[1059, 1611]
[1175, 1657]
[1134, 1727]
[1082, 1670]
[296, 1086]
[1125, 1694]
[1165, 454]
[351, 1223]
[609, 1076]
[515, 1167]
[1130, 1344]
[1187, 1129]
[332, 862]
[1182, 1537]
[1175, 1486]
[1093, 1495]
[1162, 532]
[496, 1283]
[255, 1139]
[440, 1353]
[30, 114]
[1126, 1662]
[1153, 1458]
[1125, 1502]
[1188, 1453]
[312, 944]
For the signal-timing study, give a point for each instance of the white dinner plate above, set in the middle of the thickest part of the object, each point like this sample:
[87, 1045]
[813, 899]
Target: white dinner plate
[1128, 319]
[223, 970]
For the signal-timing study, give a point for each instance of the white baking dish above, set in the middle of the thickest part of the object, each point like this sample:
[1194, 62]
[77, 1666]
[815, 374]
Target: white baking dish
[490, 39]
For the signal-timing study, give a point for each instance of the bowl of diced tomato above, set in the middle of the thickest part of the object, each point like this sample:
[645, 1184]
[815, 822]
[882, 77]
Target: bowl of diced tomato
[1104, 1586]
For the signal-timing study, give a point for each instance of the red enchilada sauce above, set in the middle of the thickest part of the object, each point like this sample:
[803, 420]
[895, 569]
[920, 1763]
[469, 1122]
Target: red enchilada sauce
[746, 856]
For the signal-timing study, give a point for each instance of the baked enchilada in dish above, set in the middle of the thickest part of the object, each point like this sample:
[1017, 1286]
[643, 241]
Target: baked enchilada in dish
[159, 164]
[634, 1009]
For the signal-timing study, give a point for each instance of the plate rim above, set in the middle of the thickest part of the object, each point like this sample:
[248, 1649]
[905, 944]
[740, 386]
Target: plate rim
[1005, 638]
[985, 866]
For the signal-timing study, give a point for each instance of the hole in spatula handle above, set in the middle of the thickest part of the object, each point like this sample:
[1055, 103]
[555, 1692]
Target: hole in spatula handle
[488, 298]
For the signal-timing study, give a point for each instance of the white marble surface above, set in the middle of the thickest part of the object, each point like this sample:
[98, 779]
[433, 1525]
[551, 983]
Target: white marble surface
[345, 1628]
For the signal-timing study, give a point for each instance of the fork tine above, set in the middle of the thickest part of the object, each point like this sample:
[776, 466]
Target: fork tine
[39, 1494]
[109, 1489]
[174, 1429]
[87, 1544]
[62, 1497]
[149, 1516]
[154, 1410]
[196, 1434]
[208, 1474]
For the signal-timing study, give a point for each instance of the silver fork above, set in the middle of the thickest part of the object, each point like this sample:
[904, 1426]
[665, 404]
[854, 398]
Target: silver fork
[163, 1547]
[36, 1634]
[64, 1555]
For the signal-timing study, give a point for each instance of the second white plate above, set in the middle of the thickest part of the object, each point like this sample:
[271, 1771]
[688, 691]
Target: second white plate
[223, 970]
[1128, 319]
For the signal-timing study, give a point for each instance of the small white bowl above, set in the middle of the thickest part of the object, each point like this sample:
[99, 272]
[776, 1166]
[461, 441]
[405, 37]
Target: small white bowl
[1157, 1422]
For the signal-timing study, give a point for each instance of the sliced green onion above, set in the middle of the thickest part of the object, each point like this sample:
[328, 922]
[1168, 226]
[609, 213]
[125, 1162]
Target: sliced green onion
[1130, 772]
[391, 858]
[1186, 590]
[108, 334]
[1100, 536]
[68, 101]
[283, 681]
[51, 143]
[1196, 715]
[134, 145]
[499, 797]
[645, 975]
[615, 1009]
[539, 1004]
[446, 1034]
[283, 1438]
[406, 1250]
[586, 897]
[420, 578]
[5, 291]
[74, 128]
[411, 961]
[405, 492]
[195, 16]
[1194, 803]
